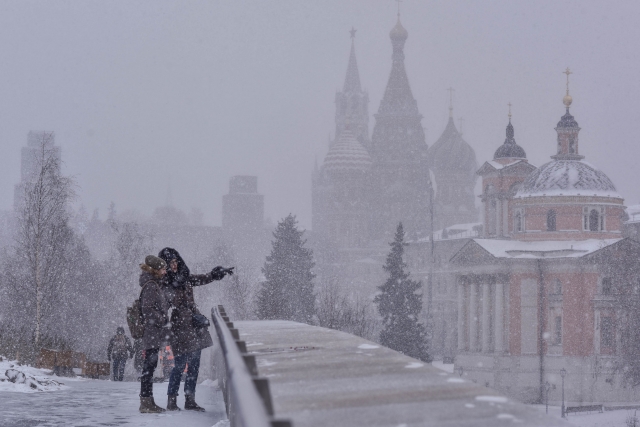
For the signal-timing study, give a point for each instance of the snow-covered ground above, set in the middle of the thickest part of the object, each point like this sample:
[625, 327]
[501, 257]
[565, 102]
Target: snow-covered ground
[616, 418]
[85, 402]
[447, 367]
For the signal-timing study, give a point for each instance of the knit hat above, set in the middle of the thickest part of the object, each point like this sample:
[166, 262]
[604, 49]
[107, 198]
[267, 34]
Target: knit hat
[155, 263]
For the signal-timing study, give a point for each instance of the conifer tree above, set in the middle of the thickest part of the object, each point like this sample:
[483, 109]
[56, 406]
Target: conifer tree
[287, 292]
[399, 303]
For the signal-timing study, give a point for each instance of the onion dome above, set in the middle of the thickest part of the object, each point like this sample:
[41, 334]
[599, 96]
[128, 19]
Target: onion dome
[510, 149]
[399, 32]
[568, 178]
[451, 153]
[567, 121]
[347, 154]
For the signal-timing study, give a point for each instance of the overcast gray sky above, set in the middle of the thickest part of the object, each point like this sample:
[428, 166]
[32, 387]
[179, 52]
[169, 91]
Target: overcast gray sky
[141, 93]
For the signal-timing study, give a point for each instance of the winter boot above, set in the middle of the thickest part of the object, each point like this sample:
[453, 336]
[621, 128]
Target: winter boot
[190, 403]
[148, 406]
[172, 405]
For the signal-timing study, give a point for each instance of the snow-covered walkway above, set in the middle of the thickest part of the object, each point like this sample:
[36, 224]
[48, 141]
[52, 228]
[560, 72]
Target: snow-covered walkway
[105, 403]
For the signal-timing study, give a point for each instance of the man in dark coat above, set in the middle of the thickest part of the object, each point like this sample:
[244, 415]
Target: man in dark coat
[154, 307]
[189, 327]
[120, 349]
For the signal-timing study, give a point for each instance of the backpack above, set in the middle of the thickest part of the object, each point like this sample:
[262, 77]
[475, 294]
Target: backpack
[134, 317]
[119, 346]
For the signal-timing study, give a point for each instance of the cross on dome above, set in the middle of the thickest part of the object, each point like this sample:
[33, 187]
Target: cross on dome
[451, 90]
[567, 100]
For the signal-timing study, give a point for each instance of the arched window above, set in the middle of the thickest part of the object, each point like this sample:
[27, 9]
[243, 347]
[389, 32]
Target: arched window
[572, 144]
[557, 287]
[551, 220]
[518, 222]
[594, 220]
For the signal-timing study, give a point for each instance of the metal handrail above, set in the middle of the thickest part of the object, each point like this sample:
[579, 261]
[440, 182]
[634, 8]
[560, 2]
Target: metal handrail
[245, 406]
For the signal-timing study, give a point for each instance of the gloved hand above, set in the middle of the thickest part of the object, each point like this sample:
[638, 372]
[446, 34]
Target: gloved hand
[219, 272]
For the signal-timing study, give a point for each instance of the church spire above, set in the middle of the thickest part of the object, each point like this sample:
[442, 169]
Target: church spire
[398, 98]
[567, 130]
[352, 104]
[352, 80]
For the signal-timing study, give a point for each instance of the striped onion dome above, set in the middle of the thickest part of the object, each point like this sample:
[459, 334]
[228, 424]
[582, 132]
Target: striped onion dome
[347, 154]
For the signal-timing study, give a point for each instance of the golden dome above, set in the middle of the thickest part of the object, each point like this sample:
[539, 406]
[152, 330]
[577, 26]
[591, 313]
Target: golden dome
[567, 100]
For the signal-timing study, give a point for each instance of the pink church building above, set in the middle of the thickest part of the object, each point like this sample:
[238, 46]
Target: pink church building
[540, 291]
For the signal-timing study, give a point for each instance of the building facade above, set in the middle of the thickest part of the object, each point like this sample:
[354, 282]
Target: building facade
[536, 294]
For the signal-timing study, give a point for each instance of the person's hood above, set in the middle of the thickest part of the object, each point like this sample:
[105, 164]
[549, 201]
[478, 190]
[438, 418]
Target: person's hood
[179, 278]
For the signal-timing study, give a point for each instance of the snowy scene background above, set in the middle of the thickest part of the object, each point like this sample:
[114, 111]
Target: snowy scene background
[207, 127]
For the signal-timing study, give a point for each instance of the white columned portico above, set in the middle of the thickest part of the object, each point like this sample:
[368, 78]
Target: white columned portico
[499, 318]
[486, 317]
[473, 317]
[461, 331]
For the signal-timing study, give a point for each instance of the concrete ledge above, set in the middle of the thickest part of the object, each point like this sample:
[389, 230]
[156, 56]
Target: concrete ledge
[322, 377]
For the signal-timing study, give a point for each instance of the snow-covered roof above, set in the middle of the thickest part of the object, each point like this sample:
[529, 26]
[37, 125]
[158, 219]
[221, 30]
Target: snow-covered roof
[514, 249]
[456, 231]
[347, 154]
[567, 178]
[634, 213]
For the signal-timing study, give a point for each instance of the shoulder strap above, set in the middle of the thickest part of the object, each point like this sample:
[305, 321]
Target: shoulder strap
[144, 286]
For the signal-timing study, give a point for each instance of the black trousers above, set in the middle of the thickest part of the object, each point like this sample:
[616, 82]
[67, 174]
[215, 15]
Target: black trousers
[118, 369]
[148, 367]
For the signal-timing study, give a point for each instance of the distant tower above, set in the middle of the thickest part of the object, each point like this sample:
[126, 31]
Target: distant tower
[30, 156]
[454, 166]
[400, 172]
[340, 187]
[352, 104]
[243, 207]
[501, 180]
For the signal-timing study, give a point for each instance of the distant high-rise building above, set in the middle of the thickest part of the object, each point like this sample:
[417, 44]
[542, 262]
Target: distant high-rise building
[30, 155]
[243, 207]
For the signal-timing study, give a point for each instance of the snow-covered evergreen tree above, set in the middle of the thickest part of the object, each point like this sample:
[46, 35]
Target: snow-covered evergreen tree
[399, 304]
[287, 292]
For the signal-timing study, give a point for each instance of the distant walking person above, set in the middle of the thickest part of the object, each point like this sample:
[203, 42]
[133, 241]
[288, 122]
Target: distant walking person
[154, 309]
[120, 349]
[189, 327]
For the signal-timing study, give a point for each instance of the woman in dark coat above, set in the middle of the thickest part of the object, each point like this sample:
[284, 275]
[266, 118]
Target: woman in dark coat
[154, 307]
[189, 334]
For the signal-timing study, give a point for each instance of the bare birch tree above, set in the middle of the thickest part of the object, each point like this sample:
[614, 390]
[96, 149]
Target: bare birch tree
[43, 233]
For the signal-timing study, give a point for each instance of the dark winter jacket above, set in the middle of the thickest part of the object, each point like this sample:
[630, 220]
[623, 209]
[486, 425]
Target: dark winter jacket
[179, 290]
[154, 307]
[119, 347]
